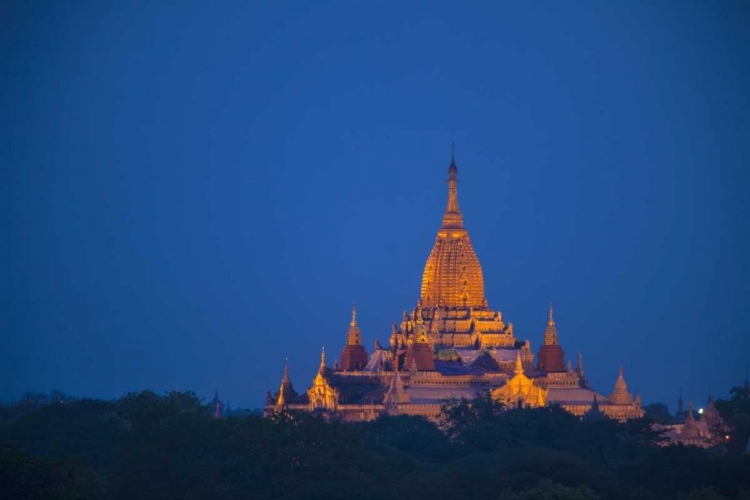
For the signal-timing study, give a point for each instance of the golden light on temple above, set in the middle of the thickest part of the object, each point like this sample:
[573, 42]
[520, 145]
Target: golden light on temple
[451, 345]
[452, 275]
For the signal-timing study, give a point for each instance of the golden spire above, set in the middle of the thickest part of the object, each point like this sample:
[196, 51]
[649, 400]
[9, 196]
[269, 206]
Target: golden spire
[621, 395]
[519, 366]
[286, 390]
[452, 219]
[322, 367]
[354, 335]
[550, 334]
[551, 321]
[452, 276]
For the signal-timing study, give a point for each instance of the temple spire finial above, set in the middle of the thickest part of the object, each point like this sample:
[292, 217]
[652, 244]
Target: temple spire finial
[551, 321]
[621, 395]
[322, 359]
[519, 365]
[354, 315]
[452, 219]
[453, 153]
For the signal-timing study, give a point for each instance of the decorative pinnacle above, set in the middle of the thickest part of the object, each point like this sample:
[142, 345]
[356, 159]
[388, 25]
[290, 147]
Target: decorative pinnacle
[354, 315]
[452, 219]
[519, 366]
[551, 321]
[323, 358]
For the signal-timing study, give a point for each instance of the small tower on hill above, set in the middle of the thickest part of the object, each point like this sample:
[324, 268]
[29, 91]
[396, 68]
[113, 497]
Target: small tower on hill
[396, 393]
[420, 351]
[551, 356]
[621, 396]
[286, 390]
[594, 413]
[711, 415]
[217, 405]
[680, 415]
[354, 355]
[690, 433]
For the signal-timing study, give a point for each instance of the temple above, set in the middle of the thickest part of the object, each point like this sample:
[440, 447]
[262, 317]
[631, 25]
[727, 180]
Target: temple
[451, 345]
[707, 431]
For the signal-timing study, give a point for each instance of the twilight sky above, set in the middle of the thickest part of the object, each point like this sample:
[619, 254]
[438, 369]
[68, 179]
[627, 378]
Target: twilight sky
[193, 191]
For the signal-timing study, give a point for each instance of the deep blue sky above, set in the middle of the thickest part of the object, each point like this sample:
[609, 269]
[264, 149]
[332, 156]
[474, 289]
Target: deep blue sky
[193, 191]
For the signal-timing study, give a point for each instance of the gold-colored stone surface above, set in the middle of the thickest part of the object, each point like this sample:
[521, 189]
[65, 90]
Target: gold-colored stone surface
[520, 391]
[621, 395]
[286, 390]
[322, 396]
[452, 312]
[452, 276]
[452, 309]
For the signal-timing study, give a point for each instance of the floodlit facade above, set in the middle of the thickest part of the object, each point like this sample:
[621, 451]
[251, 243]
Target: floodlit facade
[452, 345]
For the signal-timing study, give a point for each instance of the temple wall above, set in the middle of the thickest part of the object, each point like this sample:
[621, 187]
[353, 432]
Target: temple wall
[431, 411]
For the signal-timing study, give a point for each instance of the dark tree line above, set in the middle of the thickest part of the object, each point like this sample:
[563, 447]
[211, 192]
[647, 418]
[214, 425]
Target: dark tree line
[144, 446]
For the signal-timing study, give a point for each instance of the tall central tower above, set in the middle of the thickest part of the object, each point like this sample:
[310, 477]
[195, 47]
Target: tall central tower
[452, 277]
[452, 310]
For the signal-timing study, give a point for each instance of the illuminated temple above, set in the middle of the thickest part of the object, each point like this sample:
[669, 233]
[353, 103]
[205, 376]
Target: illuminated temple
[452, 345]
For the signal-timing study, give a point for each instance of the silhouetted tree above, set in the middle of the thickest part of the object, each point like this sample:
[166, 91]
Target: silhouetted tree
[146, 445]
[659, 413]
[736, 413]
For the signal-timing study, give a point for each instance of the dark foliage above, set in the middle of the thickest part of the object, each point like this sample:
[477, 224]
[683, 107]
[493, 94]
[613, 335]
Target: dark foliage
[736, 413]
[149, 446]
[659, 413]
